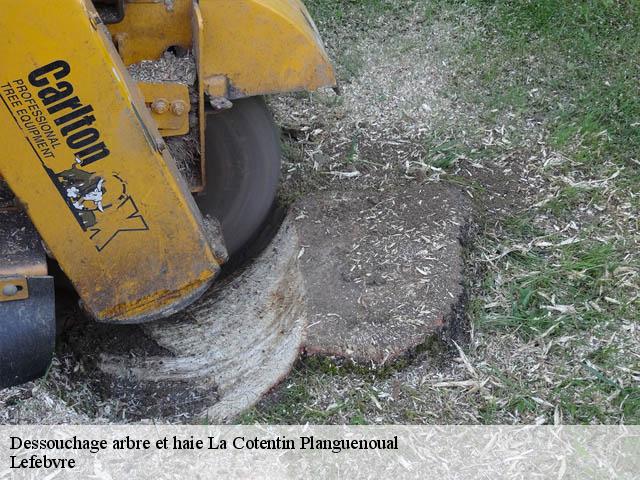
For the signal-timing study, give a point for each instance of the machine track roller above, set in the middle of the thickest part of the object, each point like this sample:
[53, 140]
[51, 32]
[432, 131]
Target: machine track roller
[27, 332]
[27, 306]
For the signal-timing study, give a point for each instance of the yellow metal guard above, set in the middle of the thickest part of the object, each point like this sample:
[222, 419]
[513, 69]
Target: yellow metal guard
[261, 47]
[81, 152]
[249, 47]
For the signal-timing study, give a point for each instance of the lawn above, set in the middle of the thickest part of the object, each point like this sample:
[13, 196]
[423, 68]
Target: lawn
[543, 95]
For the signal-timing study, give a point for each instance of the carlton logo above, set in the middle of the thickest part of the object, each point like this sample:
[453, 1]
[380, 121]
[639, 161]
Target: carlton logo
[68, 112]
[98, 200]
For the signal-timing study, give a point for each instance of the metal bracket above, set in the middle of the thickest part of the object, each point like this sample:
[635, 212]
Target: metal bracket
[12, 289]
[150, 27]
[216, 89]
[169, 104]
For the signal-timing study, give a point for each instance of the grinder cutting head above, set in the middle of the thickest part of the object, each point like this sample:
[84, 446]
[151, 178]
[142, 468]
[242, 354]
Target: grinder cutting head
[84, 152]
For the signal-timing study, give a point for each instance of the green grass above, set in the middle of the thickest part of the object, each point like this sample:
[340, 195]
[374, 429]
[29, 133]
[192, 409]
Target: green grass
[576, 276]
[553, 286]
[442, 152]
[343, 10]
[575, 67]
[571, 68]
[577, 63]
[294, 402]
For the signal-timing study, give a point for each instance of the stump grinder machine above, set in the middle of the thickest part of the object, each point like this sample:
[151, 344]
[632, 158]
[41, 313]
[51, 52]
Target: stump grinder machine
[136, 152]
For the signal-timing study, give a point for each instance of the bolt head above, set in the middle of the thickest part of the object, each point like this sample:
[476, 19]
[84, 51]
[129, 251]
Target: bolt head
[9, 290]
[160, 106]
[178, 107]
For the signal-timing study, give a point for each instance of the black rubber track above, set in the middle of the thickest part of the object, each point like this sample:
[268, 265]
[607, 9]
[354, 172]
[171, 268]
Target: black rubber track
[243, 170]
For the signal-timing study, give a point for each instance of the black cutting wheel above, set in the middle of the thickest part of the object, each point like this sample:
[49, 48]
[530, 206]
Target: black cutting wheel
[243, 170]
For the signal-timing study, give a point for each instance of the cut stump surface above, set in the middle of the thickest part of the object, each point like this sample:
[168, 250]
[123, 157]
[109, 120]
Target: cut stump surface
[382, 271]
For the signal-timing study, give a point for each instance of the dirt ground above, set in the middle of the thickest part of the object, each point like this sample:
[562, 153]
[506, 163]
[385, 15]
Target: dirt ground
[430, 93]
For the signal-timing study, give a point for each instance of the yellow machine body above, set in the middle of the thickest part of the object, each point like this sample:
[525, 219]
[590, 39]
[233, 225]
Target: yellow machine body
[83, 147]
[249, 47]
[84, 157]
